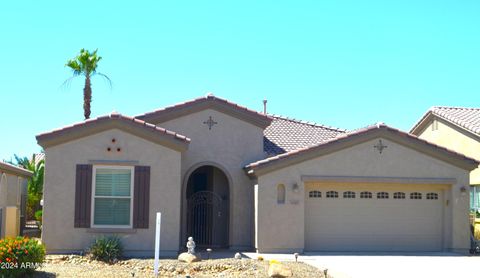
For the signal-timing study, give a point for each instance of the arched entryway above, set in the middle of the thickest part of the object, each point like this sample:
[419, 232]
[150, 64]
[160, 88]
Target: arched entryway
[207, 207]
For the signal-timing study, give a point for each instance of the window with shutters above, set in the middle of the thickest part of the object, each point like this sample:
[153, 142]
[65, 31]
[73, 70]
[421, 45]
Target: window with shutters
[365, 195]
[112, 197]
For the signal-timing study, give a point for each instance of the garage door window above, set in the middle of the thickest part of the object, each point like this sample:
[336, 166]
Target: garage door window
[365, 195]
[432, 196]
[315, 194]
[398, 195]
[416, 195]
[348, 195]
[332, 194]
[382, 195]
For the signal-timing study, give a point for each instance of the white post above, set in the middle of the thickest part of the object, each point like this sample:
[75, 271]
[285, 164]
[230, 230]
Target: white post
[157, 242]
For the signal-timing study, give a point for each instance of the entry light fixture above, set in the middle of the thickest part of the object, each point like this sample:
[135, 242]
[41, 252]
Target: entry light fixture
[463, 190]
[295, 187]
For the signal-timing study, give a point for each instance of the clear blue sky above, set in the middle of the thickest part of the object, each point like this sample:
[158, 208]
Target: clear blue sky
[341, 63]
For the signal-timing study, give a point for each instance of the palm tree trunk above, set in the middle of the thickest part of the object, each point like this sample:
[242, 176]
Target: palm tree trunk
[87, 97]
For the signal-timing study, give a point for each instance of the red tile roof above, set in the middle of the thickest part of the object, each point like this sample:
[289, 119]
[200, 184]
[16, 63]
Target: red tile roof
[467, 118]
[112, 117]
[285, 134]
[208, 101]
[349, 135]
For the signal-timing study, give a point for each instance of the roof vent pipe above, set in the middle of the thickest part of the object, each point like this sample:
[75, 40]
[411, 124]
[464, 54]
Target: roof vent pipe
[265, 106]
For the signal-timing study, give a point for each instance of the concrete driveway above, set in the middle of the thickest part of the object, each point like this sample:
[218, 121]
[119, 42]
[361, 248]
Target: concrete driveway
[357, 265]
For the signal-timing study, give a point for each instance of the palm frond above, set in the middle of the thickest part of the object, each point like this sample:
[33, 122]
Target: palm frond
[106, 78]
[66, 84]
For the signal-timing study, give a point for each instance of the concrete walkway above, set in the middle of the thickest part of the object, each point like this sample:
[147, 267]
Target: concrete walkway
[377, 265]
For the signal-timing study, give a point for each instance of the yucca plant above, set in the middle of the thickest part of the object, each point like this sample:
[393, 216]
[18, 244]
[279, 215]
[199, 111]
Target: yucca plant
[107, 249]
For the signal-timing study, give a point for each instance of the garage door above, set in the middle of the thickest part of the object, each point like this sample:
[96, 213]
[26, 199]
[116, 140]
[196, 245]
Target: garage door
[373, 218]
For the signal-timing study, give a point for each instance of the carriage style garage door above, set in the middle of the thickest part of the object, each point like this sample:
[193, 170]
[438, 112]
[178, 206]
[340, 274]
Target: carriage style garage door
[373, 217]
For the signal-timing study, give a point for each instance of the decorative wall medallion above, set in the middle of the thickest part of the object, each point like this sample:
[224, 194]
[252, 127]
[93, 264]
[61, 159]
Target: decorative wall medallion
[210, 122]
[380, 146]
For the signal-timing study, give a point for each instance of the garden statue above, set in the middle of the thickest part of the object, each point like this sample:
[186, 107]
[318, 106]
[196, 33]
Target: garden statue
[191, 245]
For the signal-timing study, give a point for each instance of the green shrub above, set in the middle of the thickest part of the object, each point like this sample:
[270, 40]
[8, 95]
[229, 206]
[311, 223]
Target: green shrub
[107, 249]
[20, 256]
[38, 215]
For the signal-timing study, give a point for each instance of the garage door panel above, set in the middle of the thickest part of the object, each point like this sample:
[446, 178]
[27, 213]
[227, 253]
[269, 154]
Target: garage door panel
[341, 224]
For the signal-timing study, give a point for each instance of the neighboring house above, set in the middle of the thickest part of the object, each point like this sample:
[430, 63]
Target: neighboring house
[235, 178]
[13, 195]
[458, 129]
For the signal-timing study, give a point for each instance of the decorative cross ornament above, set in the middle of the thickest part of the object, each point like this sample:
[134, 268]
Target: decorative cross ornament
[380, 146]
[210, 122]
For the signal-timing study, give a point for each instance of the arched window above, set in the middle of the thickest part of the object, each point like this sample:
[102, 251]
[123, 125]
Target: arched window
[432, 196]
[332, 194]
[349, 195]
[315, 194]
[382, 195]
[416, 195]
[281, 194]
[398, 195]
[365, 195]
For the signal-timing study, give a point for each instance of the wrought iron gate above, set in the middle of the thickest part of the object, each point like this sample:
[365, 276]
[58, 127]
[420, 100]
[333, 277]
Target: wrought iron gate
[202, 208]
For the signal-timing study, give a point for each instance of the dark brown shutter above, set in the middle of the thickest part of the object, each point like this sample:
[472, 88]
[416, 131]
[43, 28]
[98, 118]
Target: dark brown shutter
[83, 196]
[141, 197]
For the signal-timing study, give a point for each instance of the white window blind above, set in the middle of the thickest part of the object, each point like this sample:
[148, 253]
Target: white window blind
[112, 197]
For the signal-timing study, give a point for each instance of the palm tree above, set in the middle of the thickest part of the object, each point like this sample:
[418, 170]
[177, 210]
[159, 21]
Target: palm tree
[85, 63]
[35, 183]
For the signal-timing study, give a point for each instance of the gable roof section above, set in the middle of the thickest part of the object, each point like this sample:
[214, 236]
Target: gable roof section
[467, 119]
[285, 134]
[12, 169]
[356, 137]
[208, 102]
[134, 126]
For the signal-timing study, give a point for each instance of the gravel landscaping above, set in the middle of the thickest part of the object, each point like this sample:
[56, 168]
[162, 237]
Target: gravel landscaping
[81, 266]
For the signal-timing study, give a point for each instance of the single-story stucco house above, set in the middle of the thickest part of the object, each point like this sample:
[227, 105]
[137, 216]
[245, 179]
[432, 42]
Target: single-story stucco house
[456, 128]
[13, 196]
[235, 178]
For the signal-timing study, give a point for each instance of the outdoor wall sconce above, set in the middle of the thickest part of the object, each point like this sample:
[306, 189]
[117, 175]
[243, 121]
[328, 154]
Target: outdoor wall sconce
[295, 187]
[463, 190]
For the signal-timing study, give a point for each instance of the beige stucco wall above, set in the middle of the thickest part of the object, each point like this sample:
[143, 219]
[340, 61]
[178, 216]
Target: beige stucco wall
[11, 188]
[280, 227]
[454, 138]
[59, 234]
[229, 145]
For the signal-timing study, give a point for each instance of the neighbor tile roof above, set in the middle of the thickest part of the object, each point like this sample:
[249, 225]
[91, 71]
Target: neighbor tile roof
[7, 167]
[467, 118]
[352, 134]
[284, 135]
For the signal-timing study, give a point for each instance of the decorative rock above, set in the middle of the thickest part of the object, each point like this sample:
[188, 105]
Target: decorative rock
[189, 258]
[238, 256]
[279, 271]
